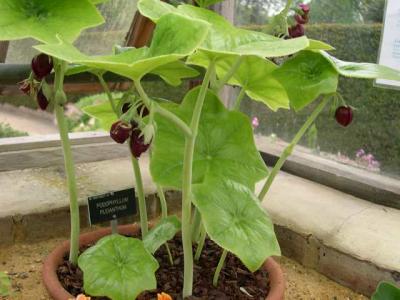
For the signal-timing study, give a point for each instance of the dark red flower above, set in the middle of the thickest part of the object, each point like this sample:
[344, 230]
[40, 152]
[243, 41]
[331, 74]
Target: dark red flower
[25, 87]
[42, 100]
[42, 65]
[296, 31]
[137, 144]
[344, 115]
[120, 131]
[301, 19]
[143, 111]
[125, 107]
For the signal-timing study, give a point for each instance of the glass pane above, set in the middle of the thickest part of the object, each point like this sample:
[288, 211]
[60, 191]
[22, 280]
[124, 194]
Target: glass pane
[372, 141]
[19, 114]
[99, 40]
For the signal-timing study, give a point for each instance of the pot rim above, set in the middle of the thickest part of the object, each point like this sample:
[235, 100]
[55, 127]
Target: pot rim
[55, 258]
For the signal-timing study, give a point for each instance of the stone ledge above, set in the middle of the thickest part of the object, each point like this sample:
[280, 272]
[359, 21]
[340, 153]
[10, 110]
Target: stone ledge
[343, 237]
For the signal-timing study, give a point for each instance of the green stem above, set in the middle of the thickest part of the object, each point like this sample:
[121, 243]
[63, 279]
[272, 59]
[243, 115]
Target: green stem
[219, 267]
[141, 198]
[187, 184]
[200, 245]
[108, 92]
[174, 119]
[220, 84]
[196, 225]
[239, 99]
[142, 93]
[164, 214]
[289, 149]
[171, 260]
[165, 113]
[163, 202]
[60, 99]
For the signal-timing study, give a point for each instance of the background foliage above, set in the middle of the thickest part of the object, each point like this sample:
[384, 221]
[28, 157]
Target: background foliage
[377, 115]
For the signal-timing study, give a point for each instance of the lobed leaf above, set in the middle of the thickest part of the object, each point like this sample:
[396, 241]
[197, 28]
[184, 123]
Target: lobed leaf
[164, 231]
[253, 75]
[43, 20]
[174, 38]
[386, 291]
[224, 38]
[118, 267]
[305, 77]
[224, 147]
[102, 112]
[234, 219]
[362, 70]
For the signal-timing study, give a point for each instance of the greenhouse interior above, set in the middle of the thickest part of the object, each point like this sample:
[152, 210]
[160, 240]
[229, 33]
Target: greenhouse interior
[199, 149]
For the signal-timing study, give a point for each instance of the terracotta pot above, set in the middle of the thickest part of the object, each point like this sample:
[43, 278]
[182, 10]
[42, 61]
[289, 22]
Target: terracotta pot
[55, 258]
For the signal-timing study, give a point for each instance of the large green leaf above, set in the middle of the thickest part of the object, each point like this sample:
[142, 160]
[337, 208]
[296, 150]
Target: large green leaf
[45, 19]
[118, 267]
[175, 37]
[386, 291]
[234, 219]
[253, 75]
[224, 148]
[161, 233]
[224, 38]
[102, 112]
[362, 70]
[174, 72]
[206, 3]
[305, 77]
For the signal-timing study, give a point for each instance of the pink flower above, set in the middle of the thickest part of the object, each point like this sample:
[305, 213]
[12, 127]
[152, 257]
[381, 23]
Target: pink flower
[255, 123]
[360, 153]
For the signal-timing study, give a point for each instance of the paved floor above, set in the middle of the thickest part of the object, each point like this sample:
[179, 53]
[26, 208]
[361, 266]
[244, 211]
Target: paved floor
[26, 120]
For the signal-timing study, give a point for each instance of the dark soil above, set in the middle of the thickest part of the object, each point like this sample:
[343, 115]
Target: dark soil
[234, 277]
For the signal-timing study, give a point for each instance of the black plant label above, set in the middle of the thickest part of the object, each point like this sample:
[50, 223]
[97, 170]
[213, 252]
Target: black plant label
[112, 206]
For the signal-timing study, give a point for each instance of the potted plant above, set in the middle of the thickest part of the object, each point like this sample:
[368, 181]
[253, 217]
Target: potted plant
[198, 146]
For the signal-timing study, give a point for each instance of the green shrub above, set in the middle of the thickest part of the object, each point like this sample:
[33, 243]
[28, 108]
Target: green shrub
[6, 131]
[376, 125]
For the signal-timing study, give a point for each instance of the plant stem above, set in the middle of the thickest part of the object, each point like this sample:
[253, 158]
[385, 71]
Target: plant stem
[164, 214]
[68, 162]
[108, 92]
[229, 74]
[142, 93]
[187, 184]
[196, 225]
[135, 164]
[239, 99]
[141, 198]
[174, 119]
[200, 245]
[163, 202]
[289, 149]
[219, 267]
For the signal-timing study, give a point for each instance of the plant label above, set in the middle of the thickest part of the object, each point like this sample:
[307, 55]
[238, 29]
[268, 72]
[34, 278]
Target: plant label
[112, 206]
[389, 54]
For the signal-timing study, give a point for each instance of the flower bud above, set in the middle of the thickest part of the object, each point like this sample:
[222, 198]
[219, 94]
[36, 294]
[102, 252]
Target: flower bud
[42, 100]
[296, 31]
[42, 65]
[120, 131]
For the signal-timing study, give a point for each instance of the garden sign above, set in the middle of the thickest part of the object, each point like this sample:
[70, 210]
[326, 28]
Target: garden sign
[390, 42]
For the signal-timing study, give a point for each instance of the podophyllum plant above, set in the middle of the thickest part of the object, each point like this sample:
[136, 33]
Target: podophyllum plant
[199, 146]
